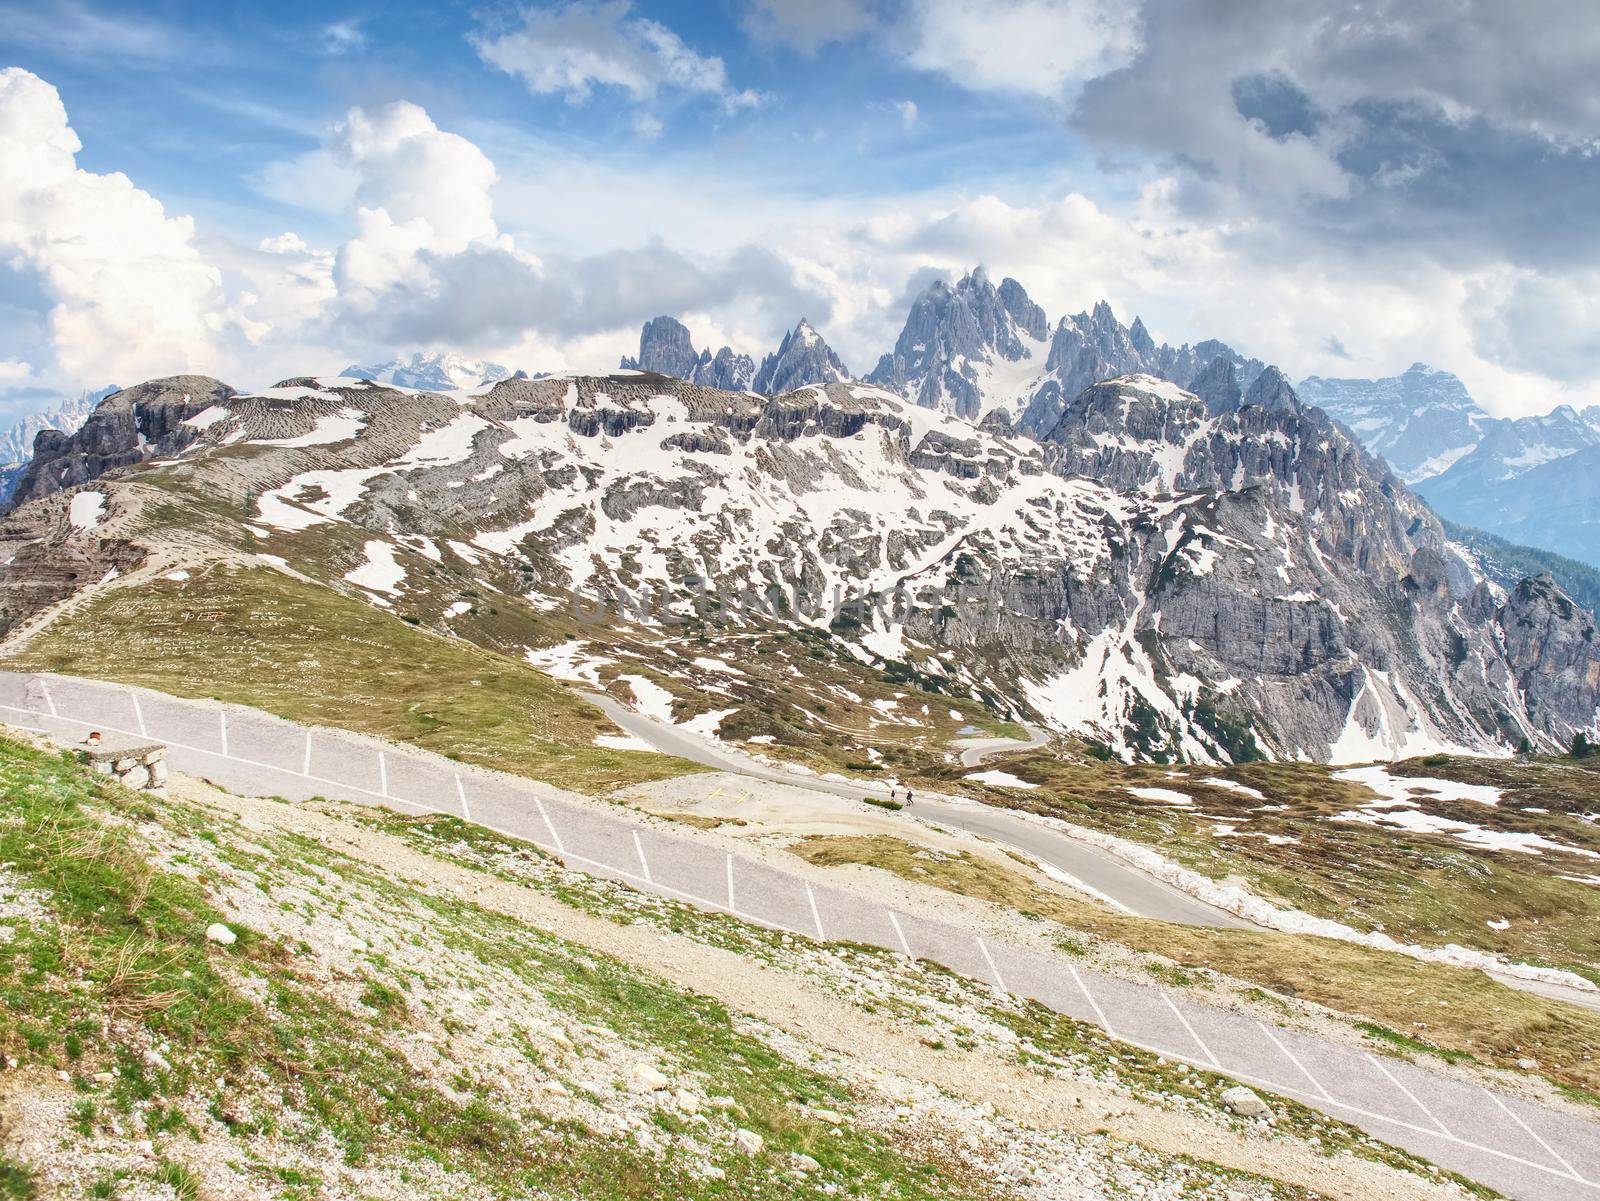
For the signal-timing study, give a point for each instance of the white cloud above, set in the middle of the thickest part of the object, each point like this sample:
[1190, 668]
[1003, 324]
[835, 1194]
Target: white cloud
[807, 25]
[1045, 48]
[571, 49]
[131, 296]
[908, 112]
[14, 371]
[343, 37]
[285, 243]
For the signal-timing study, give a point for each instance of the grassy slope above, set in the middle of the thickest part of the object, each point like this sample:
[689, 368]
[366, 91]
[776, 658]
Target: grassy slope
[120, 964]
[279, 1067]
[1465, 1011]
[1428, 889]
[258, 637]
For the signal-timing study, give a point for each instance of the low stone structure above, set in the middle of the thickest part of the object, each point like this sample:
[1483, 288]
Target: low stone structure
[135, 764]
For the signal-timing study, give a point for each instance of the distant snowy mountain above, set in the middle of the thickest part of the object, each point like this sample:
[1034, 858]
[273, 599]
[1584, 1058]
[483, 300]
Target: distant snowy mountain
[16, 443]
[666, 348]
[436, 371]
[802, 358]
[1421, 421]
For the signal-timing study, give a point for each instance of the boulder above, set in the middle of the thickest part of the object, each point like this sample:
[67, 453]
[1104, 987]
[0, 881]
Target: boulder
[218, 933]
[1245, 1102]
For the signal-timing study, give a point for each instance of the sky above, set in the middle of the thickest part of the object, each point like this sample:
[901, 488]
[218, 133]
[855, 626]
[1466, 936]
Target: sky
[258, 191]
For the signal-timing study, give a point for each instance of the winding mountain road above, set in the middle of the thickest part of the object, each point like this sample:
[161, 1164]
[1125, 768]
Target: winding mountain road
[1524, 1149]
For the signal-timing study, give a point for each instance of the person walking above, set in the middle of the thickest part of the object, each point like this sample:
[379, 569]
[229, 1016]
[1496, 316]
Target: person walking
[908, 798]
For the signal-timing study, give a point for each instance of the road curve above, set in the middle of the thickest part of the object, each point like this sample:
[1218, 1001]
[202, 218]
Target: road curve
[1099, 873]
[1526, 1150]
[975, 750]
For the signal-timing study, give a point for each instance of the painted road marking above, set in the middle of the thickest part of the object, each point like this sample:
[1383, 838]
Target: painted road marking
[222, 721]
[138, 713]
[383, 775]
[1198, 1041]
[1373, 1059]
[732, 908]
[1383, 1118]
[989, 959]
[714, 793]
[305, 763]
[555, 838]
[1294, 1059]
[644, 864]
[816, 915]
[900, 934]
[49, 700]
[461, 793]
[744, 796]
[1510, 1113]
[1105, 1023]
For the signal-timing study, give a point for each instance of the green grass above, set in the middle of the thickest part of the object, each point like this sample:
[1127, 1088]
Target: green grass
[16, 1182]
[257, 637]
[124, 941]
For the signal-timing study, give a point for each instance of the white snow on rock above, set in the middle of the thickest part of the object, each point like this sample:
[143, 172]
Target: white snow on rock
[314, 497]
[381, 572]
[458, 608]
[1165, 796]
[1235, 786]
[1411, 789]
[568, 661]
[1000, 779]
[329, 429]
[649, 698]
[179, 575]
[86, 509]
[447, 445]
[622, 742]
[207, 417]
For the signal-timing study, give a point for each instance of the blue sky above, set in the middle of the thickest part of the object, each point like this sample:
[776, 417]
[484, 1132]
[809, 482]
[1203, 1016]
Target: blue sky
[255, 191]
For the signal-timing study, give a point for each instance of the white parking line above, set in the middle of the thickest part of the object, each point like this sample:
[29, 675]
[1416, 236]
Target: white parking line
[222, 722]
[461, 793]
[900, 934]
[383, 775]
[49, 700]
[1394, 1080]
[1193, 1033]
[989, 959]
[732, 908]
[644, 864]
[555, 839]
[305, 763]
[1551, 1151]
[816, 916]
[1105, 1023]
[1292, 1058]
[138, 713]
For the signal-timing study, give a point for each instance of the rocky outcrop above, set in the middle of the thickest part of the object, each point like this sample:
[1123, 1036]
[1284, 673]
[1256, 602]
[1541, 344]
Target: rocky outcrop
[1553, 652]
[802, 358]
[149, 420]
[665, 348]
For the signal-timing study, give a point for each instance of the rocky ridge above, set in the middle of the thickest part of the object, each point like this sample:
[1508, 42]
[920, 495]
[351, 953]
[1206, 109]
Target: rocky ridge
[1167, 580]
[665, 348]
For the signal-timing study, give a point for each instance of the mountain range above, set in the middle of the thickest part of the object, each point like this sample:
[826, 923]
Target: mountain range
[16, 443]
[1161, 574]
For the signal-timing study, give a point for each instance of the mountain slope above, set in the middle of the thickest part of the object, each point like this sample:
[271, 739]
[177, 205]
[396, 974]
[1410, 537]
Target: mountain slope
[1168, 582]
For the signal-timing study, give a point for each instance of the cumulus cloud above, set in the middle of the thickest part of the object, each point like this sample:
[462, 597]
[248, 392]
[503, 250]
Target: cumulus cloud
[129, 294]
[571, 49]
[1045, 48]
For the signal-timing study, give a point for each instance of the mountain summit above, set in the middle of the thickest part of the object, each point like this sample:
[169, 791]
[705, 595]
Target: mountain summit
[666, 349]
[435, 371]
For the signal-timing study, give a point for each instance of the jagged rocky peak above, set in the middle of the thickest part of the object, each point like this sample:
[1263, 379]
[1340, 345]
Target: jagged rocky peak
[1218, 385]
[431, 371]
[666, 348]
[967, 349]
[802, 358]
[127, 427]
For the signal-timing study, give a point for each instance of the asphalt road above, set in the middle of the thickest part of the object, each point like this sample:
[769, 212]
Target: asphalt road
[1523, 1149]
[1097, 872]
